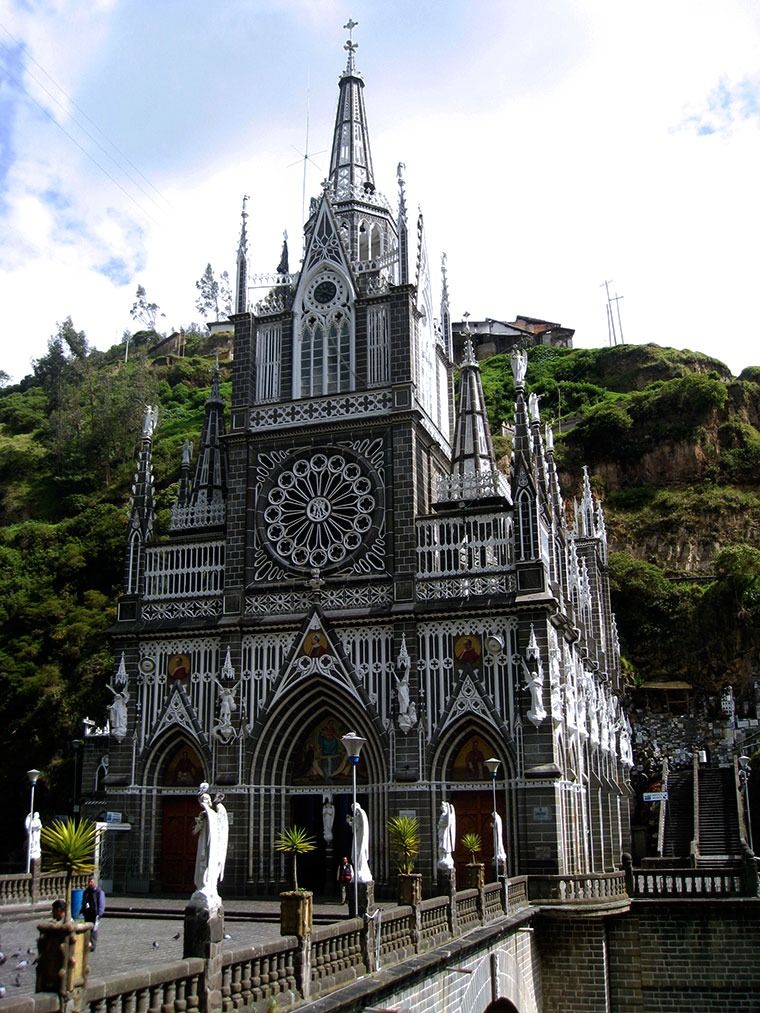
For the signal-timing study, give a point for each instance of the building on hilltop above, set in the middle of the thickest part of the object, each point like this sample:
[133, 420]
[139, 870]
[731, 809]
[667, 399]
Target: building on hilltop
[494, 337]
[345, 555]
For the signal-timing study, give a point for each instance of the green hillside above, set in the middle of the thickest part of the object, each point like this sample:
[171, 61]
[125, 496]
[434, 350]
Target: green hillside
[671, 439]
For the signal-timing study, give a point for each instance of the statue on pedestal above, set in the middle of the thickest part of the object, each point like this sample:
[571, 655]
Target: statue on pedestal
[447, 836]
[212, 830]
[357, 820]
[33, 825]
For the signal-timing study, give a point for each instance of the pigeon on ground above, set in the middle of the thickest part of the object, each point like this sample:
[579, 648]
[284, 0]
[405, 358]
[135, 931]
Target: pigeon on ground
[155, 945]
[2, 991]
[22, 964]
[177, 936]
[227, 935]
[3, 958]
[17, 982]
[16, 954]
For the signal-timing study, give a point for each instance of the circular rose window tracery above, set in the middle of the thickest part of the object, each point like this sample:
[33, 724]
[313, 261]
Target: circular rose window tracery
[319, 509]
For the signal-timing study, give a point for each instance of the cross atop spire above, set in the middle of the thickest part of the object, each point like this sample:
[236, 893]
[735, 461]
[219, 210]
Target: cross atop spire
[351, 172]
[350, 46]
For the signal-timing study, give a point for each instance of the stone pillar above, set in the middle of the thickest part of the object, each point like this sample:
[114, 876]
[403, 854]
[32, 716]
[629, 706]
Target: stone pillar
[366, 899]
[330, 867]
[34, 885]
[447, 882]
[204, 932]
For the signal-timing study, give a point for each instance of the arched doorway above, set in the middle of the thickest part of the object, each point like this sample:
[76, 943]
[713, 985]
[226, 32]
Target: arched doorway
[501, 1006]
[178, 813]
[321, 801]
[462, 763]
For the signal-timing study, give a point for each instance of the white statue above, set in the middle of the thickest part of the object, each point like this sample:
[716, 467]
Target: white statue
[357, 820]
[499, 854]
[328, 816]
[33, 825]
[223, 729]
[117, 713]
[519, 362]
[534, 674]
[447, 836]
[212, 829]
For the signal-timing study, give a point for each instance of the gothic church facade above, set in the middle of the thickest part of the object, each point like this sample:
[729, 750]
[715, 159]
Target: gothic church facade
[345, 555]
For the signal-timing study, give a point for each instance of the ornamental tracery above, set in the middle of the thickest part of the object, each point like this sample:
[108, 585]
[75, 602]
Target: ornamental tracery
[321, 510]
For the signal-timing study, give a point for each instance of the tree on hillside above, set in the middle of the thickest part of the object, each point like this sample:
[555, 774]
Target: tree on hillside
[225, 293]
[208, 300]
[143, 311]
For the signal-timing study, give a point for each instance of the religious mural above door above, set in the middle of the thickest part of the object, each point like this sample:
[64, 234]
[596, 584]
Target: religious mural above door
[184, 768]
[470, 760]
[321, 758]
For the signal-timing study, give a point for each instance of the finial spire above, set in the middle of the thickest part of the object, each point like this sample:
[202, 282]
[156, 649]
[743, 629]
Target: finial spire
[241, 293]
[351, 46]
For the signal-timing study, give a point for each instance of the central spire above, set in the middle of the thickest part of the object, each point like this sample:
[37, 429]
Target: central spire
[351, 175]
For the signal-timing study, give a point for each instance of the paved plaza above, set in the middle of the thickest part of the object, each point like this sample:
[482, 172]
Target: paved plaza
[137, 932]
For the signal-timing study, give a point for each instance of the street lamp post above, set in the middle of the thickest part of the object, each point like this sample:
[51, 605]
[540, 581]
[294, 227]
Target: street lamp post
[32, 775]
[353, 745]
[744, 774]
[493, 766]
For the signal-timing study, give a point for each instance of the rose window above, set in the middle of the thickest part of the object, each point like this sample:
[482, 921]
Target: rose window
[318, 511]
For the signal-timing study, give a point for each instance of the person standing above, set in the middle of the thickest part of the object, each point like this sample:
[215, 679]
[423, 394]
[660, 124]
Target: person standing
[93, 908]
[345, 877]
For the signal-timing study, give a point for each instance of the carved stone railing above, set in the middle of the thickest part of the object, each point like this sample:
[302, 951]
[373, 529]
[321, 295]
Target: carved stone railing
[473, 486]
[27, 889]
[447, 547]
[251, 976]
[336, 955]
[689, 884]
[434, 921]
[397, 932]
[176, 988]
[592, 889]
[188, 570]
[468, 914]
[493, 906]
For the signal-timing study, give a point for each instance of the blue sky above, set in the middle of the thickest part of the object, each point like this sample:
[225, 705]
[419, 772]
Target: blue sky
[552, 145]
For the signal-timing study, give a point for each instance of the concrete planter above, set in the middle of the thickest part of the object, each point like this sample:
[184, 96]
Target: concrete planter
[296, 912]
[63, 956]
[409, 888]
[474, 876]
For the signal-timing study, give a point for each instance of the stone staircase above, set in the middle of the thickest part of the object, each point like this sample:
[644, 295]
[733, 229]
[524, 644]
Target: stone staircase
[679, 817]
[718, 818]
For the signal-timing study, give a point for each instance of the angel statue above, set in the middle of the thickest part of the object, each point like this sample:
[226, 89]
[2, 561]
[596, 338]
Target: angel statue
[499, 854]
[357, 820]
[447, 836]
[212, 829]
[117, 712]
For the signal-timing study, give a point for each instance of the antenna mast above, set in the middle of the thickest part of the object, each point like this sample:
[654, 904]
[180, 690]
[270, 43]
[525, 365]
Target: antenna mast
[611, 332]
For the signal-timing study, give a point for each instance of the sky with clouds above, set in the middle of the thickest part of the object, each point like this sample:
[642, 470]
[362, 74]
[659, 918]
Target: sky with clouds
[552, 145]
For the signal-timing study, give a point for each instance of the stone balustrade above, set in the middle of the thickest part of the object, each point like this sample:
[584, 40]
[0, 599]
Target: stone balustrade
[290, 969]
[689, 884]
[592, 889]
[28, 888]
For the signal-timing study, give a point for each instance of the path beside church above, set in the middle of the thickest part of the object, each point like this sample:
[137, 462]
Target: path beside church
[125, 943]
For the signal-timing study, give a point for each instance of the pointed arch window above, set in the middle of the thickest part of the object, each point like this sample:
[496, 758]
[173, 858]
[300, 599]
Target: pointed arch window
[526, 527]
[325, 338]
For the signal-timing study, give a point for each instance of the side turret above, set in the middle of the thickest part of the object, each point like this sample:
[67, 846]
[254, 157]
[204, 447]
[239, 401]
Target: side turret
[141, 509]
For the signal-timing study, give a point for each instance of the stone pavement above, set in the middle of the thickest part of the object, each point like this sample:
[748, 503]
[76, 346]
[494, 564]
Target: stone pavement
[140, 931]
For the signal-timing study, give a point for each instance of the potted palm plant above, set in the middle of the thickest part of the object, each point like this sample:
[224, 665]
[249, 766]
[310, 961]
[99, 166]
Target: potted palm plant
[296, 905]
[404, 834]
[69, 847]
[474, 870]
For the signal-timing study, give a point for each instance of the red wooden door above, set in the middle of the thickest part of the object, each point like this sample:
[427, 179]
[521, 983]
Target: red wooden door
[178, 843]
[473, 809]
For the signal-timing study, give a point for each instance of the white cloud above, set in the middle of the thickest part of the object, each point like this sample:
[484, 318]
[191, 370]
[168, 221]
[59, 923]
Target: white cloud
[538, 137]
